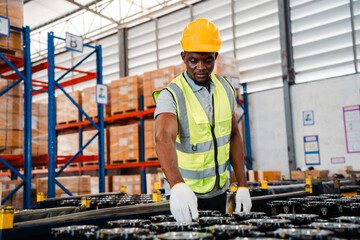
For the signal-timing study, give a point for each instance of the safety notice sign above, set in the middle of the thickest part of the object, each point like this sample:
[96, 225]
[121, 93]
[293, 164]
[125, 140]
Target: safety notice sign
[312, 151]
[4, 26]
[351, 116]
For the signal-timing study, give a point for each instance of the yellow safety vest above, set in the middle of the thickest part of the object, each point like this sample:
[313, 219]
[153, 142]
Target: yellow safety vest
[203, 150]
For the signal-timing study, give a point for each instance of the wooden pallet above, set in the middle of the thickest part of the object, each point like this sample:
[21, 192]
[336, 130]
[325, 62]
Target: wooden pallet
[123, 161]
[93, 163]
[124, 111]
[40, 167]
[70, 165]
[150, 107]
[152, 159]
[63, 123]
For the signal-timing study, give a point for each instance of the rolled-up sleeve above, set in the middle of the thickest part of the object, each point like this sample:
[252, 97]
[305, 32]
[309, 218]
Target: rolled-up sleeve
[165, 104]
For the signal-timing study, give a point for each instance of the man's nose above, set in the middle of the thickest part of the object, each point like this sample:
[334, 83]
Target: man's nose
[200, 65]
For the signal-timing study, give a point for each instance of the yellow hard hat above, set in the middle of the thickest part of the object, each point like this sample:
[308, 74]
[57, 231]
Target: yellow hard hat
[201, 36]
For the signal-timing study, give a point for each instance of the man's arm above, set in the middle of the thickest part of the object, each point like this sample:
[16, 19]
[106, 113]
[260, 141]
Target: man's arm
[166, 126]
[237, 154]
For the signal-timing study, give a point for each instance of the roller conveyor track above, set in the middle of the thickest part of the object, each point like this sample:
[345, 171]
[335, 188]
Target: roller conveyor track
[40, 229]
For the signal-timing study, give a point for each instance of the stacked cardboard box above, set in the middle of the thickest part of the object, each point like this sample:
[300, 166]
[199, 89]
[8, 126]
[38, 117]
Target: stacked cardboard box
[39, 126]
[262, 175]
[132, 183]
[156, 80]
[124, 143]
[77, 185]
[12, 9]
[312, 173]
[125, 94]
[151, 179]
[227, 66]
[66, 111]
[11, 119]
[150, 144]
[17, 199]
[88, 100]
[95, 184]
[92, 148]
[67, 144]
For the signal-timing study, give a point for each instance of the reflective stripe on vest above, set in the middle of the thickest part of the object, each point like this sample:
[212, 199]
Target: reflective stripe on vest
[194, 142]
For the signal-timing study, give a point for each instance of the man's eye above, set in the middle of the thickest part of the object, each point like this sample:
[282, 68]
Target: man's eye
[209, 60]
[193, 60]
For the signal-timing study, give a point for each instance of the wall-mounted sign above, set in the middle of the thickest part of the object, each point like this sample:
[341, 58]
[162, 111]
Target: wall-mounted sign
[102, 94]
[311, 149]
[337, 160]
[74, 42]
[351, 116]
[4, 26]
[308, 118]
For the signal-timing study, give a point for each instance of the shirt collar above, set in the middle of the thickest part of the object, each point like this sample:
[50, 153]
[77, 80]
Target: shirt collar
[195, 87]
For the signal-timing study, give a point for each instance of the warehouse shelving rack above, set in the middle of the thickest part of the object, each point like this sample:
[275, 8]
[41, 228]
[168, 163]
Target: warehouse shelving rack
[54, 83]
[25, 76]
[245, 107]
[140, 115]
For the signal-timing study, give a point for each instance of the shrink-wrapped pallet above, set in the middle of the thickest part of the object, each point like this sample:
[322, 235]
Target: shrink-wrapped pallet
[39, 126]
[88, 100]
[66, 111]
[156, 80]
[131, 182]
[11, 118]
[124, 143]
[12, 46]
[149, 141]
[92, 148]
[77, 185]
[124, 95]
[67, 144]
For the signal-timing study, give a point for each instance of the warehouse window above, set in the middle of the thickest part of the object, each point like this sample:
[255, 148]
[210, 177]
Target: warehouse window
[322, 39]
[258, 44]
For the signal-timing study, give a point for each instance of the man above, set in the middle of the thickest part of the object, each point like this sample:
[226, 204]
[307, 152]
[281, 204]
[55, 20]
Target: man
[196, 130]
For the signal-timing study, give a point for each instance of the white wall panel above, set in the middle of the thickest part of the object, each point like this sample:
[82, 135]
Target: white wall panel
[326, 98]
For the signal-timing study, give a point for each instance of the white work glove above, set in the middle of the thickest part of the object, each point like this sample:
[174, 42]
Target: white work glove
[183, 203]
[243, 198]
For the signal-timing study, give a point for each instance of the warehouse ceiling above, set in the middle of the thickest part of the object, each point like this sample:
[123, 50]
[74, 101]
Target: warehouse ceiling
[88, 18]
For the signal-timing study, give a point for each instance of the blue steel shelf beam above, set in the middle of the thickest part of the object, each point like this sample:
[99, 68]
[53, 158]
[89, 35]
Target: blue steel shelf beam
[245, 107]
[52, 83]
[26, 77]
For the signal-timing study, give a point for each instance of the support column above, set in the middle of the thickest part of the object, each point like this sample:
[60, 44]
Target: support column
[100, 108]
[51, 116]
[27, 120]
[288, 75]
[123, 52]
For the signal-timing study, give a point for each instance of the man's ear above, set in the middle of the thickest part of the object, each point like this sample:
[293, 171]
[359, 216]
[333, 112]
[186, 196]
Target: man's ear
[183, 56]
[216, 55]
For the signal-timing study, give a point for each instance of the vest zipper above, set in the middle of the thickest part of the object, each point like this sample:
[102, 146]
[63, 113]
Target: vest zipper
[215, 146]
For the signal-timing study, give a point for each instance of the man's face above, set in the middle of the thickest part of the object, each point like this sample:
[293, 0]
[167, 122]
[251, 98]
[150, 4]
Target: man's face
[199, 65]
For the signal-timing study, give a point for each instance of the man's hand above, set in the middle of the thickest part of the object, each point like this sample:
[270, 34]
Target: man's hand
[243, 198]
[183, 203]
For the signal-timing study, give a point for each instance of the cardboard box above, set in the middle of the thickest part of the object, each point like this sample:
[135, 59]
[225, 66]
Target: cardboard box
[67, 144]
[149, 141]
[77, 185]
[17, 199]
[297, 174]
[125, 94]
[88, 99]
[13, 9]
[66, 111]
[93, 147]
[124, 143]
[151, 179]
[132, 183]
[39, 125]
[94, 183]
[317, 173]
[261, 175]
